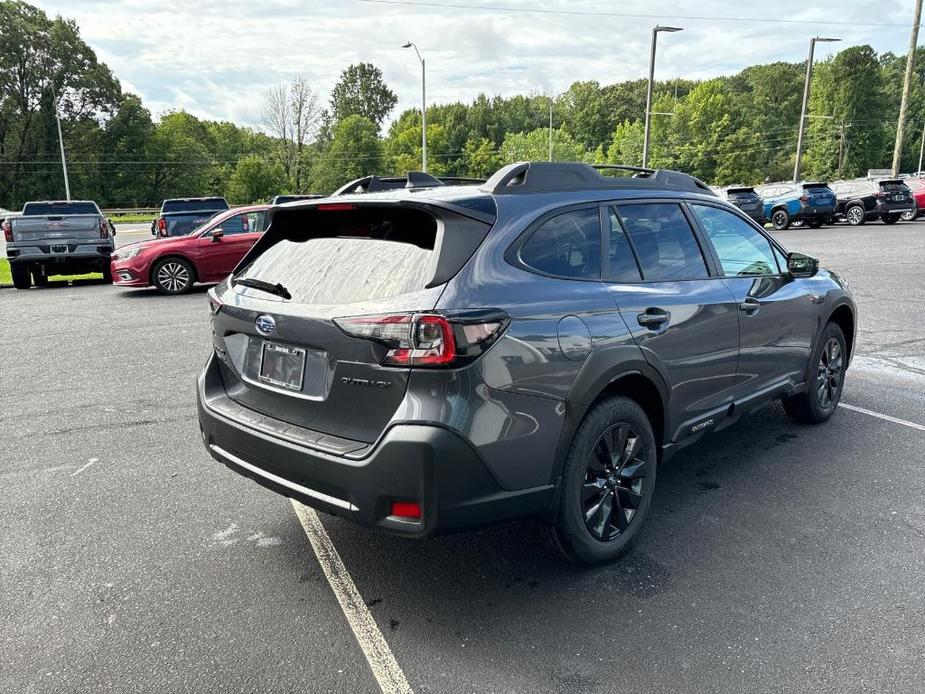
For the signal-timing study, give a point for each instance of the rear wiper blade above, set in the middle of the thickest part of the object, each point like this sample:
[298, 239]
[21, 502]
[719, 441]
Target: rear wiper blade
[269, 287]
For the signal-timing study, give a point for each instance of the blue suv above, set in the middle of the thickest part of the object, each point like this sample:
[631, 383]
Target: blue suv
[440, 357]
[809, 203]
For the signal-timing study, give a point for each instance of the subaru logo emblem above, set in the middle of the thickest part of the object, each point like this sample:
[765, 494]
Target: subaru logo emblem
[265, 325]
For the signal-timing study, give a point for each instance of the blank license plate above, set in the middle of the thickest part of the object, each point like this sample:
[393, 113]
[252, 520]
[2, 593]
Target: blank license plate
[282, 366]
[56, 248]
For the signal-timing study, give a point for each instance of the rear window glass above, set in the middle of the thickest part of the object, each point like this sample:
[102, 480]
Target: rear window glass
[43, 209]
[346, 256]
[180, 226]
[894, 185]
[568, 245]
[194, 205]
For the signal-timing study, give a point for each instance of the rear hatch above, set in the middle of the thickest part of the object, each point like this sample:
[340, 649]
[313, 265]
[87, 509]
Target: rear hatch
[57, 221]
[746, 199]
[895, 191]
[371, 266]
[818, 196]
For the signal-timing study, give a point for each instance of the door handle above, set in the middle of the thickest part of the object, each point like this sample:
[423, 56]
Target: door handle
[750, 305]
[653, 318]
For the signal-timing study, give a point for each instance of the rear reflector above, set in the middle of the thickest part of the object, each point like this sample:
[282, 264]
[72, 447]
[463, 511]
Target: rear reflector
[406, 509]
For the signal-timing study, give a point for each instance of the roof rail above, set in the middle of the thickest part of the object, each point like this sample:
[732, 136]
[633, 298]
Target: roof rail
[549, 177]
[415, 180]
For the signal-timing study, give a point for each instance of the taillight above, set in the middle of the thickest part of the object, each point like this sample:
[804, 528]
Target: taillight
[428, 339]
[104, 229]
[879, 194]
[215, 304]
[7, 231]
[162, 226]
[804, 198]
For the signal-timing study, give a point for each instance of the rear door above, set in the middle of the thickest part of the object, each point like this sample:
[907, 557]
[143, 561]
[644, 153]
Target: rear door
[218, 256]
[682, 316]
[775, 314]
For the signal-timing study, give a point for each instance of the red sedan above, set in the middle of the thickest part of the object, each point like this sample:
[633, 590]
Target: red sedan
[917, 186]
[207, 254]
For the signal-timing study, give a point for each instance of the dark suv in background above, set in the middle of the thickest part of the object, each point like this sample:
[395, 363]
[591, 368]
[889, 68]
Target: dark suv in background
[862, 200]
[442, 357]
[747, 200]
[179, 216]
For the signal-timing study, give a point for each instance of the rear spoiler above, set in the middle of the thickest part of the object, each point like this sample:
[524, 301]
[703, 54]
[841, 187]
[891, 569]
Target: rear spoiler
[415, 180]
[815, 184]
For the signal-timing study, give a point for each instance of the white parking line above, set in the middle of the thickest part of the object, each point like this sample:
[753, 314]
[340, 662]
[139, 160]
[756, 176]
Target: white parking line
[895, 420]
[84, 467]
[385, 668]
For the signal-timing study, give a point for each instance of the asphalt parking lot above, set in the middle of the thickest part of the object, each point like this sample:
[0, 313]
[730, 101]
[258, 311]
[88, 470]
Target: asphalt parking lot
[776, 557]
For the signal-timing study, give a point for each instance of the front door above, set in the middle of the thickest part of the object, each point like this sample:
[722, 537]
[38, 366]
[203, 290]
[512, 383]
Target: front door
[776, 311]
[683, 319]
[219, 256]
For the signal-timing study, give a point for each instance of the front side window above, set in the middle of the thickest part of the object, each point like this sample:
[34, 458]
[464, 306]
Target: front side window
[567, 245]
[742, 250]
[664, 242]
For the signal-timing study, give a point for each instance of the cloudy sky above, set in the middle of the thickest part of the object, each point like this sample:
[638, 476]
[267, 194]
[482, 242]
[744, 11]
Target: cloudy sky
[215, 58]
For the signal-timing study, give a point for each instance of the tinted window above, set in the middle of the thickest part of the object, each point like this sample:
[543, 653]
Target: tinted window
[194, 205]
[237, 224]
[663, 241]
[568, 245]
[44, 209]
[742, 251]
[187, 223]
[623, 266]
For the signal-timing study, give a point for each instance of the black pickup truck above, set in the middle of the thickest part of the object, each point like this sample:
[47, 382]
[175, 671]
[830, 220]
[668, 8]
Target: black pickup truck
[179, 216]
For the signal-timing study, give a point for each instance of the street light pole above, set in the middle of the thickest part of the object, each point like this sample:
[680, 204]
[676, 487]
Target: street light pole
[907, 88]
[67, 186]
[809, 77]
[645, 140]
[423, 107]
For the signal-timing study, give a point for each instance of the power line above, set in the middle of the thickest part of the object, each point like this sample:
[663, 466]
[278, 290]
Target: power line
[627, 15]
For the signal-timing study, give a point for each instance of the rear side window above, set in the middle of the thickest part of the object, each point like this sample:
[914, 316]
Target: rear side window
[47, 209]
[623, 267]
[742, 251]
[664, 242]
[567, 245]
[330, 257]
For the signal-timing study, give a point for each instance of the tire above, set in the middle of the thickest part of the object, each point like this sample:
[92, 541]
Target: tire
[173, 276]
[890, 218]
[854, 215]
[825, 379]
[910, 216]
[780, 220]
[21, 276]
[815, 224]
[39, 276]
[614, 497]
[107, 273]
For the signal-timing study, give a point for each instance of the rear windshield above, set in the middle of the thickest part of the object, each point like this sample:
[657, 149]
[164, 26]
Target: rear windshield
[46, 209]
[194, 205]
[741, 194]
[187, 224]
[893, 185]
[347, 256]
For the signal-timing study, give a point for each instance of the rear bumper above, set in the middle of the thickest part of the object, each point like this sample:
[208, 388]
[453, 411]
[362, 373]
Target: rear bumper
[49, 253]
[809, 213]
[422, 463]
[895, 208]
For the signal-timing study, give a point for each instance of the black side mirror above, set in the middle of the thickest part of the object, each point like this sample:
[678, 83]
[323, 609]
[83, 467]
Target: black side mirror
[217, 234]
[800, 265]
[112, 227]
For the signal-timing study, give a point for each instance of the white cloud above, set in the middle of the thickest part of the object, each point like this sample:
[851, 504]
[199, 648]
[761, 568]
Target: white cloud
[216, 58]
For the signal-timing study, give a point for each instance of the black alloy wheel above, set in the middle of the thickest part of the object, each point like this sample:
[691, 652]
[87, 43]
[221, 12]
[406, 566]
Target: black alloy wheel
[780, 219]
[615, 480]
[829, 374]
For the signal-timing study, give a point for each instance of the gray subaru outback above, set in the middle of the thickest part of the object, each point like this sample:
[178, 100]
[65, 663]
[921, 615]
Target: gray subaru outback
[441, 357]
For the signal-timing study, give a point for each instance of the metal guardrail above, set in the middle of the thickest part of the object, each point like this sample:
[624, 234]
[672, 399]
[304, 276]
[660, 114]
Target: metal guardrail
[123, 211]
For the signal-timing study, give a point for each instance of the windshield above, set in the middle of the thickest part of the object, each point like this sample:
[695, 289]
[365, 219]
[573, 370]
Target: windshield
[205, 205]
[47, 209]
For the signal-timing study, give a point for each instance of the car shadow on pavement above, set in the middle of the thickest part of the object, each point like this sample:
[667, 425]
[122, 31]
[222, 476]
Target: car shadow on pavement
[715, 502]
[152, 293]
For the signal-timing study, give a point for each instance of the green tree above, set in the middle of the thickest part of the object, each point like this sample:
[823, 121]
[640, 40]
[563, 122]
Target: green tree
[355, 151]
[481, 157]
[255, 178]
[534, 146]
[180, 160]
[361, 91]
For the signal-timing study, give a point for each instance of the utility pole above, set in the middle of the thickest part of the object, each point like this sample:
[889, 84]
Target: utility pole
[841, 147]
[67, 186]
[550, 129]
[918, 171]
[806, 85]
[411, 44]
[907, 86]
[645, 140]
